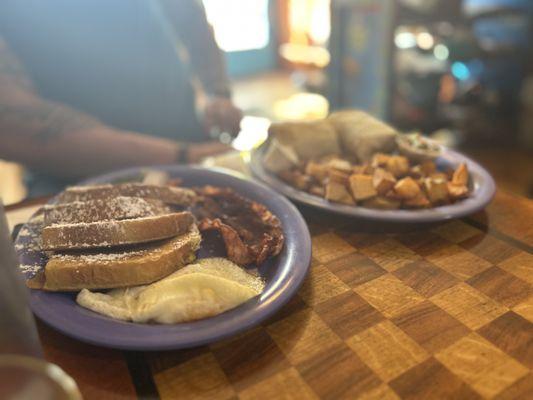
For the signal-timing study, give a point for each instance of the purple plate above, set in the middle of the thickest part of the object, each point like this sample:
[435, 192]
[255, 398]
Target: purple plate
[482, 190]
[283, 274]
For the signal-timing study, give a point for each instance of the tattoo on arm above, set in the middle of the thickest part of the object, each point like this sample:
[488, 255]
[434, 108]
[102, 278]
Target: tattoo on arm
[44, 119]
[47, 120]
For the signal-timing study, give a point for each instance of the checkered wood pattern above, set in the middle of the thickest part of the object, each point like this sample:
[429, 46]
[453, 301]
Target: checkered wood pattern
[443, 313]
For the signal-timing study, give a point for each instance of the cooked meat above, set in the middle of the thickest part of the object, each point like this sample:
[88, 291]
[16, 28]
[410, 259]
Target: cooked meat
[251, 233]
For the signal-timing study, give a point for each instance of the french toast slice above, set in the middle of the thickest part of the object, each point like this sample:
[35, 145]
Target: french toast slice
[167, 194]
[113, 268]
[117, 208]
[110, 233]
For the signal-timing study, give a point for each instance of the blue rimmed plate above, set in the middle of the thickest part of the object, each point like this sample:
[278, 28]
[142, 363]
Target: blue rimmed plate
[482, 189]
[283, 274]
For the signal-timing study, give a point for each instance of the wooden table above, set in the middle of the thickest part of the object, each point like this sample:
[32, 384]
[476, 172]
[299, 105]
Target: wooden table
[441, 312]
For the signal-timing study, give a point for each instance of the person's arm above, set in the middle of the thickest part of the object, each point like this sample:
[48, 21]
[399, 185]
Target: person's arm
[57, 139]
[189, 21]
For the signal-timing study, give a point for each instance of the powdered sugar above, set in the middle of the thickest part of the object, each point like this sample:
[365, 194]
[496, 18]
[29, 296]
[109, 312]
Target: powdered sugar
[24, 232]
[113, 255]
[167, 194]
[30, 269]
[106, 224]
[121, 207]
[99, 257]
[82, 189]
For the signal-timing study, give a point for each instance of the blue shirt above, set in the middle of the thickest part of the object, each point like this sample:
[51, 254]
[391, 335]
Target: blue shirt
[114, 59]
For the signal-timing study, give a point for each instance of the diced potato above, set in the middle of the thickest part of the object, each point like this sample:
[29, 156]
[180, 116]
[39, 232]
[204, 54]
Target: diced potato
[317, 190]
[439, 176]
[407, 188]
[428, 167]
[419, 201]
[398, 166]
[380, 160]
[287, 175]
[457, 191]
[460, 176]
[383, 180]
[449, 173]
[296, 179]
[327, 158]
[302, 182]
[318, 171]
[416, 172]
[359, 169]
[340, 165]
[368, 169]
[363, 169]
[391, 194]
[338, 176]
[338, 193]
[362, 187]
[381, 202]
[436, 190]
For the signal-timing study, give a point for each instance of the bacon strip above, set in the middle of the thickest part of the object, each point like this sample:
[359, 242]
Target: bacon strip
[251, 233]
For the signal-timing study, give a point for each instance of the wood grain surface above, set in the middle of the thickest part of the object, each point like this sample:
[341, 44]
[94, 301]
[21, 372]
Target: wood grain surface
[445, 311]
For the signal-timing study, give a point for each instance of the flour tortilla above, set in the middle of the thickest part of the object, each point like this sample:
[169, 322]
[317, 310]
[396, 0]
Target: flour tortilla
[310, 139]
[279, 157]
[361, 135]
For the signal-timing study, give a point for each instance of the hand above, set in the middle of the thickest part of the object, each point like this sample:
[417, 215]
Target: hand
[198, 151]
[221, 114]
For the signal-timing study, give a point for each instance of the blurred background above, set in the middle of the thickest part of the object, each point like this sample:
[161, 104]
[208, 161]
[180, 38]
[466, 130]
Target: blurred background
[460, 71]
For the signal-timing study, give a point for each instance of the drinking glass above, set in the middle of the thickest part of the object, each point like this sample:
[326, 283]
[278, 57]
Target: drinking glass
[24, 374]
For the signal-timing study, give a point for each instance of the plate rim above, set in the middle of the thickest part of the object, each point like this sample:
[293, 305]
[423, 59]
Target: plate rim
[483, 194]
[232, 321]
